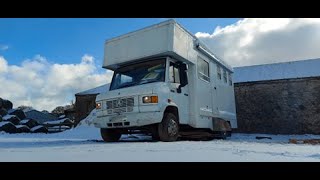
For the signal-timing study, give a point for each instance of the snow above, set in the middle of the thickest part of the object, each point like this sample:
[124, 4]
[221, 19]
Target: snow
[27, 109]
[7, 117]
[84, 143]
[62, 127]
[36, 127]
[286, 70]
[73, 146]
[62, 116]
[20, 126]
[11, 111]
[24, 121]
[3, 123]
[56, 122]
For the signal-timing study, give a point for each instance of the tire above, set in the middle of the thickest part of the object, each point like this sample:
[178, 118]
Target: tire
[154, 133]
[110, 135]
[168, 129]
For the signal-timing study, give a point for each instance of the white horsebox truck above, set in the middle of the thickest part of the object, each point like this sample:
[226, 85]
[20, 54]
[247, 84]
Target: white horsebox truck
[166, 84]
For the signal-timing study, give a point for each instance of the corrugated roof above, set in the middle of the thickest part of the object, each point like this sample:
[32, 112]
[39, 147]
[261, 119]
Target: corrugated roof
[96, 90]
[40, 117]
[285, 70]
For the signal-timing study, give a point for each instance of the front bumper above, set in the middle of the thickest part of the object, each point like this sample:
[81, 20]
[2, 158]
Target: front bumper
[128, 120]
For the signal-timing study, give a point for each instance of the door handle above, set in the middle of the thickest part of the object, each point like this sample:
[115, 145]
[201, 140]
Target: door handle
[172, 90]
[186, 94]
[215, 87]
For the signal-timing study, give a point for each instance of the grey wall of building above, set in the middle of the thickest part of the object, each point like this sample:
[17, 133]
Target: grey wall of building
[289, 106]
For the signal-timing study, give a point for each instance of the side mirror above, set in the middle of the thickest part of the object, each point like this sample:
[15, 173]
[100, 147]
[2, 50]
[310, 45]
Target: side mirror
[183, 76]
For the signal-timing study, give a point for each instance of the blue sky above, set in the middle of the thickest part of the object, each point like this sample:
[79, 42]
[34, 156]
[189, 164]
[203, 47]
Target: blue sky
[65, 40]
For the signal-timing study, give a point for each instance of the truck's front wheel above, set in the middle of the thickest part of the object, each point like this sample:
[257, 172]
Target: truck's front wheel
[169, 128]
[110, 135]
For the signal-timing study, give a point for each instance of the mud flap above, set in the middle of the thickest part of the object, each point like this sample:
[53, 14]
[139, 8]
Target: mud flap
[221, 128]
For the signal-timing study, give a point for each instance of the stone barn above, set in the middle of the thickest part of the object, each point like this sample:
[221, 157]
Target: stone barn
[280, 98]
[85, 101]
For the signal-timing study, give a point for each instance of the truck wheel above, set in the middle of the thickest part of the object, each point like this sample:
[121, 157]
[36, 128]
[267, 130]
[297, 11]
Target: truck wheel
[110, 135]
[169, 128]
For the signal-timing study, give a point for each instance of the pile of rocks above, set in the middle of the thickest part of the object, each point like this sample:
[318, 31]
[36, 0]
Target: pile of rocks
[15, 121]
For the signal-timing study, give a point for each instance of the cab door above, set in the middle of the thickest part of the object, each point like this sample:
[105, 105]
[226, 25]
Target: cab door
[180, 96]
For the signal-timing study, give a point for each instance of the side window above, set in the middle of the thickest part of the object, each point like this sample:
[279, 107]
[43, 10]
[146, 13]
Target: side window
[218, 71]
[203, 69]
[225, 75]
[230, 79]
[174, 74]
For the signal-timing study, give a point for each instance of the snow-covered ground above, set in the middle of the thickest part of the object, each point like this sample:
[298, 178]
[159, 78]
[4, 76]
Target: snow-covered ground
[84, 144]
[77, 145]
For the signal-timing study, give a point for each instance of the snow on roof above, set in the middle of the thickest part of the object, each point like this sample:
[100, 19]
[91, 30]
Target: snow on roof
[285, 70]
[96, 90]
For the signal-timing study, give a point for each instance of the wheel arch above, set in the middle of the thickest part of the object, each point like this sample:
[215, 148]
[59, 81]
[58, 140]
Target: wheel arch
[172, 109]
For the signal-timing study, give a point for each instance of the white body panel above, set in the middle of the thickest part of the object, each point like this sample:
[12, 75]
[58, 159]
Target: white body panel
[167, 38]
[198, 103]
[136, 45]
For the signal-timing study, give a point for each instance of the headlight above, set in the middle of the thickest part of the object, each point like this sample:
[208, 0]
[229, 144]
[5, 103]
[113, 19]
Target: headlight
[98, 105]
[150, 99]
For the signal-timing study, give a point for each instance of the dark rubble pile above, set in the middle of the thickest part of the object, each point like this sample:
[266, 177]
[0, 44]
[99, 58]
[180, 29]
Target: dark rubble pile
[16, 121]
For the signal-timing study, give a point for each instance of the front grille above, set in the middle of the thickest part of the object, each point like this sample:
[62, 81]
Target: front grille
[120, 105]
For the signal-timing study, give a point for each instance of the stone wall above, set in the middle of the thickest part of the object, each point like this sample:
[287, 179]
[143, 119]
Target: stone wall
[290, 106]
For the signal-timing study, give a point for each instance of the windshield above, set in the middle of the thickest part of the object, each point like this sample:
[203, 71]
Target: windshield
[140, 73]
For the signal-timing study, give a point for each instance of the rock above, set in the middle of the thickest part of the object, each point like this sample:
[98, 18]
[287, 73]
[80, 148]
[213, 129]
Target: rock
[7, 104]
[8, 127]
[263, 137]
[39, 129]
[29, 122]
[3, 112]
[11, 118]
[0, 118]
[18, 112]
[22, 129]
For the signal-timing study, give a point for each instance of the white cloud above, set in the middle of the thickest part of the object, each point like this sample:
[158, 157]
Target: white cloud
[44, 85]
[260, 41]
[3, 65]
[87, 59]
[4, 47]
